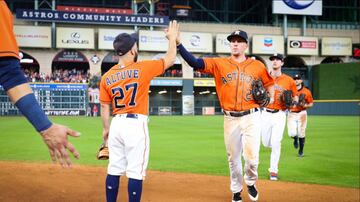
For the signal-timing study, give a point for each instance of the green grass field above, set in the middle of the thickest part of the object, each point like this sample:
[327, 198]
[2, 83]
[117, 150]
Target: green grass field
[195, 144]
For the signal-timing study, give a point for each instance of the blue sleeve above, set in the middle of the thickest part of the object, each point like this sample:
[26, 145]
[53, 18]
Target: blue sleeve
[196, 63]
[30, 108]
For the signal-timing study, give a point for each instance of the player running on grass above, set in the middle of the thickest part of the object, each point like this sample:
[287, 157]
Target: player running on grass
[274, 115]
[297, 117]
[234, 76]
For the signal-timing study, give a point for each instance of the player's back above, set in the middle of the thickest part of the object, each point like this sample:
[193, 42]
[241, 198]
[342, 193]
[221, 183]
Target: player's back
[127, 87]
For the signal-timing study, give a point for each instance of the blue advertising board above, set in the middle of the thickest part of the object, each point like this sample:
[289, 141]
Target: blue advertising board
[93, 18]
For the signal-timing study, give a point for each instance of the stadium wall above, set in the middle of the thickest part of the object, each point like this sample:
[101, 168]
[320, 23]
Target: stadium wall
[336, 81]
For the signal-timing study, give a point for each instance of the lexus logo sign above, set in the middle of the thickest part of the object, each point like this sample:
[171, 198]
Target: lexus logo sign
[75, 35]
[75, 38]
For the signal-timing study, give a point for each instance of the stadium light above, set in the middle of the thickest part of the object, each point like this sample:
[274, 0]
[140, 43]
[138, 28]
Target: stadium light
[214, 93]
[204, 92]
[149, 91]
[162, 92]
[178, 91]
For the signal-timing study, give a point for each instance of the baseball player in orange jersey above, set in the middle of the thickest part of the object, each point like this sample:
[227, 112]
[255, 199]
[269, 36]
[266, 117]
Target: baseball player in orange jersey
[233, 78]
[297, 117]
[15, 84]
[125, 86]
[274, 115]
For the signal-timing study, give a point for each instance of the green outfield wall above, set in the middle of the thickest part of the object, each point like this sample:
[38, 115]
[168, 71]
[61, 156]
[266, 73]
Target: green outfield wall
[336, 81]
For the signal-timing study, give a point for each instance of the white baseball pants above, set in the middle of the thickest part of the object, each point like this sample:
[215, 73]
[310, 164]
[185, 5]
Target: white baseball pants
[242, 137]
[297, 123]
[273, 125]
[129, 146]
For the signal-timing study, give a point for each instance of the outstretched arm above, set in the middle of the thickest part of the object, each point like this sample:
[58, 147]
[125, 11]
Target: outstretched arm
[171, 33]
[196, 63]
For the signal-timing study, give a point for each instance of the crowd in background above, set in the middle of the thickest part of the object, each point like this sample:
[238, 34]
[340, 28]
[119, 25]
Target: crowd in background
[172, 73]
[58, 76]
[83, 76]
[198, 74]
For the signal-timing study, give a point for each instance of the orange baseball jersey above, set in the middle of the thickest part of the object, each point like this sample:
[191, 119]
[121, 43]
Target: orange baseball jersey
[308, 99]
[233, 81]
[8, 45]
[127, 87]
[282, 83]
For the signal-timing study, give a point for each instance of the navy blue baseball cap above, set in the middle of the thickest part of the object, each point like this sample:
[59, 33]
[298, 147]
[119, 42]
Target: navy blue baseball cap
[124, 42]
[278, 56]
[238, 33]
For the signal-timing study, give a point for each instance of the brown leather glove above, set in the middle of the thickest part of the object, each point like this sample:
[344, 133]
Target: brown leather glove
[103, 153]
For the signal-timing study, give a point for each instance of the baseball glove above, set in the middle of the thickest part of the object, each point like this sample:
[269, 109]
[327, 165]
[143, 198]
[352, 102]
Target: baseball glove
[287, 98]
[103, 153]
[302, 99]
[259, 93]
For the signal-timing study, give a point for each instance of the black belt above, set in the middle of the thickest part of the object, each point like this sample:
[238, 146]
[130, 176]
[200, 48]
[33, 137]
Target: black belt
[272, 111]
[132, 116]
[240, 114]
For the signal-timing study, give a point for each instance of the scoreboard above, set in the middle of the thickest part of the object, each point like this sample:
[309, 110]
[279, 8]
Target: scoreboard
[54, 98]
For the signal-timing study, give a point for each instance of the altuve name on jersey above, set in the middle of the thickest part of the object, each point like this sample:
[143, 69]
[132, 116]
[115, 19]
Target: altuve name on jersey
[122, 75]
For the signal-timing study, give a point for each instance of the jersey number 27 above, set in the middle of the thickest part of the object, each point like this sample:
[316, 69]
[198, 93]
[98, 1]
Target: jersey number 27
[118, 99]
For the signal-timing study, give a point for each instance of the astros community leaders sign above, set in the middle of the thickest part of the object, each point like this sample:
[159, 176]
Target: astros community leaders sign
[76, 17]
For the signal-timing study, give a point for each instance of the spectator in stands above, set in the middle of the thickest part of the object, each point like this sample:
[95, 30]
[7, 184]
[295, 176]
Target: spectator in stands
[59, 75]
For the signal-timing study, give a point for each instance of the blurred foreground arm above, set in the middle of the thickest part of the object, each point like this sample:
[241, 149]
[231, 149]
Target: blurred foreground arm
[54, 135]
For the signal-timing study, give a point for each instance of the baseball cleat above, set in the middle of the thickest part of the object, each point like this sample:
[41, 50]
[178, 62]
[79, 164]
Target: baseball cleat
[273, 176]
[237, 197]
[301, 154]
[253, 193]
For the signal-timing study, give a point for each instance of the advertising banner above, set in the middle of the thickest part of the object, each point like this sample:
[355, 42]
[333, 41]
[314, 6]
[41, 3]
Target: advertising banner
[336, 46]
[152, 41]
[223, 45]
[267, 44]
[204, 82]
[197, 42]
[50, 86]
[94, 10]
[33, 36]
[107, 36]
[297, 7]
[65, 112]
[78, 38]
[91, 17]
[166, 82]
[298, 45]
[188, 104]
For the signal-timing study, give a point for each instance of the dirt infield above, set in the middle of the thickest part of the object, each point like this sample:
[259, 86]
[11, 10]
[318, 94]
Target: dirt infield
[44, 182]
